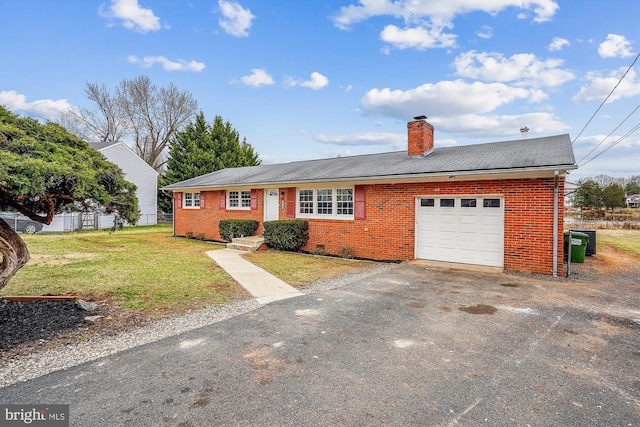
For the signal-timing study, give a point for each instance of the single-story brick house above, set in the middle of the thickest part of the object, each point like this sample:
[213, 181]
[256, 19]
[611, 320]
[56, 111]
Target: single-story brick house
[496, 204]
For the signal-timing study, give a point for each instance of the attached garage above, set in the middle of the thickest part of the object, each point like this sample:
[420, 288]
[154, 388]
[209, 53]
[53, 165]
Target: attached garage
[461, 229]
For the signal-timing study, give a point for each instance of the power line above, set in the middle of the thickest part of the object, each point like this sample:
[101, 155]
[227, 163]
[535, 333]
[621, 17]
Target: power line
[622, 138]
[605, 100]
[601, 142]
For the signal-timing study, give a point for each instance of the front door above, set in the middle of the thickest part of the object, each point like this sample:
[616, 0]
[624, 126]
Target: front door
[271, 204]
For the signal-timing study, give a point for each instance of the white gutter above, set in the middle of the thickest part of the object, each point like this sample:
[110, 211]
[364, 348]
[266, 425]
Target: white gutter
[555, 223]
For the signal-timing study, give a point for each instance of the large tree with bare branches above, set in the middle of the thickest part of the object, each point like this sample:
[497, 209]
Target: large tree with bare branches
[45, 170]
[137, 111]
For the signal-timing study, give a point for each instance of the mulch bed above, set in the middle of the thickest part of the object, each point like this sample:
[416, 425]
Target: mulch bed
[35, 326]
[21, 322]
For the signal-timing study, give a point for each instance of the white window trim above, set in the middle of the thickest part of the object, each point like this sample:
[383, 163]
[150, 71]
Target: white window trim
[334, 201]
[240, 207]
[195, 197]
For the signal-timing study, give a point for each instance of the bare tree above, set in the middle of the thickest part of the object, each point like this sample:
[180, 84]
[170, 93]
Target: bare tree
[138, 111]
[154, 114]
[604, 180]
[104, 122]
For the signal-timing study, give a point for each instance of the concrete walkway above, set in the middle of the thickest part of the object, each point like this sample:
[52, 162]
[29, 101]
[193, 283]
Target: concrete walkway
[265, 287]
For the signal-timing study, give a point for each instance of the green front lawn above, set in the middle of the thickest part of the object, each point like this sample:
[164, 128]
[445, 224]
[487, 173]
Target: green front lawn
[147, 269]
[299, 269]
[142, 268]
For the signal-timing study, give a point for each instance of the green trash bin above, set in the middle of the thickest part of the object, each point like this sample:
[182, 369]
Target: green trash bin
[578, 245]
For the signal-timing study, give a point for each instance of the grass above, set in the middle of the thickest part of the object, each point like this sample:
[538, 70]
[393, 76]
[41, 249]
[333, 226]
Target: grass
[147, 270]
[299, 269]
[141, 268]
[625, 240]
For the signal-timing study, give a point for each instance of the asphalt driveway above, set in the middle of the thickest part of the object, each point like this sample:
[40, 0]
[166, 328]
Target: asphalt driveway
[411, 346]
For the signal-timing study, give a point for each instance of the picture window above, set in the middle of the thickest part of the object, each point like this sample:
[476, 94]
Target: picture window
[335, 203]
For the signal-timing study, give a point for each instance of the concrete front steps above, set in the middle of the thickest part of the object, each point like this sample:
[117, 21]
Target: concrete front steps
[246, 244]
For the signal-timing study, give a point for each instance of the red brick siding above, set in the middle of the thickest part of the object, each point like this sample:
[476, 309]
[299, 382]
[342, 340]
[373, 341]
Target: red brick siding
[204, 222]
[388, 230]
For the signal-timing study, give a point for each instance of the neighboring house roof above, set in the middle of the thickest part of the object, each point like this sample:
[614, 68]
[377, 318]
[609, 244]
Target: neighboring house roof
[522, 155]
[103, 146]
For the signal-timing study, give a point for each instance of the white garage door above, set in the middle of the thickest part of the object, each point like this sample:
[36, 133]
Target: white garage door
[467, 229]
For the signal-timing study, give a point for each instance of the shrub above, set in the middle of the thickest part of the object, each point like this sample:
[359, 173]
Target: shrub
[230, 228]
[318, 251]
[286, 235]
[345, 252]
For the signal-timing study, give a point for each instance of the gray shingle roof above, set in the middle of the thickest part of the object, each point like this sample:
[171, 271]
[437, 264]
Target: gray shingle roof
[546, 153]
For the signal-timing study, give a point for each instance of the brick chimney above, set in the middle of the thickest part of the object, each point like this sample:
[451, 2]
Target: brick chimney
[420, 134]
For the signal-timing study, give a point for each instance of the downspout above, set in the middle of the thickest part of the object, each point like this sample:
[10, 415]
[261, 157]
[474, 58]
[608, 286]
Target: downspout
[555, 223]
[173, 214]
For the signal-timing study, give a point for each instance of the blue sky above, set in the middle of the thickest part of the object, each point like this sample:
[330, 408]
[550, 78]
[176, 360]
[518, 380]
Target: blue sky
[306, 79]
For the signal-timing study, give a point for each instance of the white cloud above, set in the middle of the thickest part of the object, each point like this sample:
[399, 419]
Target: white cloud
[600, 86]
[44, 108]
[525, 69]
[447, 98]
[167, 64]
[369, 138]
[235, 20]
[132, 15]
[615, 46]
[486, 32]
[588, 142]
[558, 43]
[621, 160]
[426, 20]
[258, 77]
[420, 38]
[412, 10]
[488, 125]
[462, 108]
[537, 96]
[318, 81]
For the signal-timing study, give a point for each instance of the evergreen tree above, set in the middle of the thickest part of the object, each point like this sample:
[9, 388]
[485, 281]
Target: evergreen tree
[613, 197]
[203, 148]
[632, 187]
[588, 194]
[45, 170]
